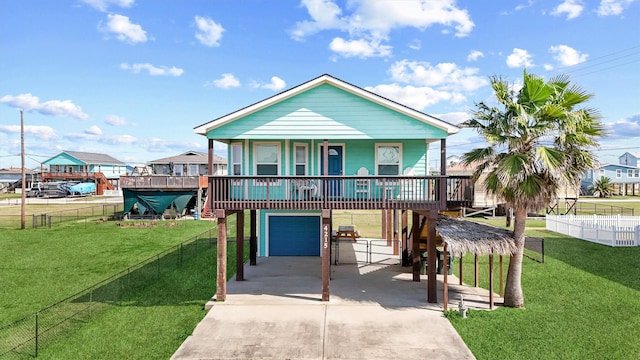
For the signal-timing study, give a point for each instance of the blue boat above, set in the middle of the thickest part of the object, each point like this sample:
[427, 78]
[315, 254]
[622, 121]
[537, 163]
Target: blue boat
[83, 189]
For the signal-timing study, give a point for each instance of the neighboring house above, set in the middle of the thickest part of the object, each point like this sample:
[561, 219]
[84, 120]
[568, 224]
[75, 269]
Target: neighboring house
[11, 178]
[102, 169]
[190, 163]
[322, 145]
[453, 160]
[626, 178]
[629, 158]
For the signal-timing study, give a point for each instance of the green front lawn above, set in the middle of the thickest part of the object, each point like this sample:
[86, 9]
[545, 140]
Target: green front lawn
[582, 303]
[44, 266]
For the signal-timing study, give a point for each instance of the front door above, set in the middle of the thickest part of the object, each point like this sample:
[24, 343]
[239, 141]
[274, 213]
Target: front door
[335, 168]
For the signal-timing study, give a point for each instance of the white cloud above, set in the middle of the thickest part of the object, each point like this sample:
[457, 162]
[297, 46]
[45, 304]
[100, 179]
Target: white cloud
[415, 44]
[567, 56]
[125, 30]
[519, 58]
[374, 20]
[445, 76]
[573, 9]
[115, 120]
[454, 117]
[613, 7]
[275, 84]
[325, 14]
[39, 131]
[118, 139]
[359, 48]
[225, 82]
[548, 67]
[474, 55]
[625, 127]
[156, 145]
[93, 130]
[103, 5]
[28, 102]
[81, 136]
[152, 70]
[209, 32]
[416, 97]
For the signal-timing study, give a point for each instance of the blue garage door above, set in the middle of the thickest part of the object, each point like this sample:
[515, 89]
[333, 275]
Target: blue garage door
[294, 236]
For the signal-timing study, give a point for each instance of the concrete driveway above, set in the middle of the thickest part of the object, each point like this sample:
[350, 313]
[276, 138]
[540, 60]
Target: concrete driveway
[375, 311]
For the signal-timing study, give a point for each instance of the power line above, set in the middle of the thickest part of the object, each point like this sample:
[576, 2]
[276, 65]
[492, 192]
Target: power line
[595, 62]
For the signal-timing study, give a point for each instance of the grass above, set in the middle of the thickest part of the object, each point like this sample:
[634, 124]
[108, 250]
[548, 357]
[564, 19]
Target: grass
[43, 266]
[153, 322]
[582, 303]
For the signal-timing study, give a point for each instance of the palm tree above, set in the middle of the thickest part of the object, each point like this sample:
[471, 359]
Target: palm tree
[602, 187]
[539, 140]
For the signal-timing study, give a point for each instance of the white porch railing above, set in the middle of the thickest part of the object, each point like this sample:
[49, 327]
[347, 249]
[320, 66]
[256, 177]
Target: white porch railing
[616, 230]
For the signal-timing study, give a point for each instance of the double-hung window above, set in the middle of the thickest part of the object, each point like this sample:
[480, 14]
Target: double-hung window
[267, 159]
[300, 159]
[236, 159]
[388, 159]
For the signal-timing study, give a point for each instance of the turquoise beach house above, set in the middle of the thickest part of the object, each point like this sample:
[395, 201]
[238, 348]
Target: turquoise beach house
[324, 145]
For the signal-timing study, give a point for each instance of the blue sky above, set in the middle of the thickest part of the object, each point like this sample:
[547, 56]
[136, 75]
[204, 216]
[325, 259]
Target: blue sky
[132, 78]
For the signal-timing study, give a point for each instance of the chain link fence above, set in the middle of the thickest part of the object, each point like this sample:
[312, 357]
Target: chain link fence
[101, 211]
[23, 338]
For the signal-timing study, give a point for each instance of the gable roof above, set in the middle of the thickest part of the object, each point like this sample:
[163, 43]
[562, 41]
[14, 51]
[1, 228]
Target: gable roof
[190, 157]
[328, 79]
[87, 158]
[634, 154]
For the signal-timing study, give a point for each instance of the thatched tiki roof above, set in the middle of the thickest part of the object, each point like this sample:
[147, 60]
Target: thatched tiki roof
[462, 236]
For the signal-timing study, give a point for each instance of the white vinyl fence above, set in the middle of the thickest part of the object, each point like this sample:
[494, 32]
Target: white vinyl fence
[615, 230]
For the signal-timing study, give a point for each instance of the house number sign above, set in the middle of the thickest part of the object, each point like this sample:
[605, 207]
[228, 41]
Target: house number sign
[325, 236]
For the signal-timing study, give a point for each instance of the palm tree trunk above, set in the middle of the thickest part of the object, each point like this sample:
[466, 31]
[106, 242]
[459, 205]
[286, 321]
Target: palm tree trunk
[513, 296]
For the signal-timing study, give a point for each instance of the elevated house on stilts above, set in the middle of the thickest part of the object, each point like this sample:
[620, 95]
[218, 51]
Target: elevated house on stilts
[321, 146]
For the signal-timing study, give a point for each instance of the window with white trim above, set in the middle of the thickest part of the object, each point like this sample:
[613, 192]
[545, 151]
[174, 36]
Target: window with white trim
[602, 172]
[236, 159]
[618, 173]
[388, 159]
[267, 159]
[300, 159]
[629, 173]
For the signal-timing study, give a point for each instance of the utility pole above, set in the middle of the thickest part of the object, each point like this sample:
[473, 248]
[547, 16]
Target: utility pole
[24, 192]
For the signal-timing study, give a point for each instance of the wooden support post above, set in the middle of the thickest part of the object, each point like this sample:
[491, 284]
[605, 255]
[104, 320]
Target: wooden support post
[404, 225]
[501, 286]
[253, 238]
[445, 272]
[240, 246]
[326, 253]
[415, 246]
[491, 281]
[210, 156]
[432, 255]
[383, 221]
[404, 235]
[389, 234]
[221, 289]
[475, 270]
[460, 270]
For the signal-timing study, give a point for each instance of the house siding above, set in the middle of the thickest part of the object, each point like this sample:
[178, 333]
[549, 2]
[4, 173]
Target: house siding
[357, 154]
[327, 112]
